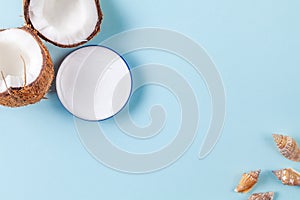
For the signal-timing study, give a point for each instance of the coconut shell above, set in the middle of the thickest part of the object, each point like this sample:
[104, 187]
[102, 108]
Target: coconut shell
[28, 22]
[34, 92]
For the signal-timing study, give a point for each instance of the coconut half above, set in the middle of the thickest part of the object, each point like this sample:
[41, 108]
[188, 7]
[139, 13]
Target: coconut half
[64, 23]
[26, 69]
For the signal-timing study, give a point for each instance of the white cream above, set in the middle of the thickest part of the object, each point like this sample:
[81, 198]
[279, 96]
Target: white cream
[93, 83]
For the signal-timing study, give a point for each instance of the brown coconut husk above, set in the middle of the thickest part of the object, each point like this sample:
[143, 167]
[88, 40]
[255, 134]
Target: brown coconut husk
[34, 92]
[26, 4]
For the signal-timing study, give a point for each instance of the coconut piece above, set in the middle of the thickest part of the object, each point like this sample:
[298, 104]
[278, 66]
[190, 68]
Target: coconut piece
[64, 23]
[26, 68]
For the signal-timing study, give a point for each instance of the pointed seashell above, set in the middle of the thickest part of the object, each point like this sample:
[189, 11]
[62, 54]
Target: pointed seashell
[287, 147]
[262, 196]
[247, 182]
[288, 177]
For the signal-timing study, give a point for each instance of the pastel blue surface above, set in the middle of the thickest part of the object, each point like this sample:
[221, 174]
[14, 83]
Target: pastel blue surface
[255, 46]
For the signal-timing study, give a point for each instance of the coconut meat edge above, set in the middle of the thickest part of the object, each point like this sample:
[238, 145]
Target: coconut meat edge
[18, 48]
[64, 22]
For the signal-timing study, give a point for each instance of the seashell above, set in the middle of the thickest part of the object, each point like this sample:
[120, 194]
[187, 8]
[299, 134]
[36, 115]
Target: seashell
[288, 176]
[287, 147]
[247, 182]
[262, 196]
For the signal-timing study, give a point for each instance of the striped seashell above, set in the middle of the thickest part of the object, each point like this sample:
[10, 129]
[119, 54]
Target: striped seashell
[247, 182]
[288, 176]
[287, 147]
[262, 196]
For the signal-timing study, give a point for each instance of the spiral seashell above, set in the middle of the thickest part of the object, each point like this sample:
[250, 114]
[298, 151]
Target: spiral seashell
[287, 147]
[262, 196]
[288, 176]
[247, 181]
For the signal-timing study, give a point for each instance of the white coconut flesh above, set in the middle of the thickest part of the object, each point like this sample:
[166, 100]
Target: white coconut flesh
[93, 83]
[21, 59]
[64, 22]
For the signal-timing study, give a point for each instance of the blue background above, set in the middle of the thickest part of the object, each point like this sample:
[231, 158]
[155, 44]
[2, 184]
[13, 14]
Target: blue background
[255, 46]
